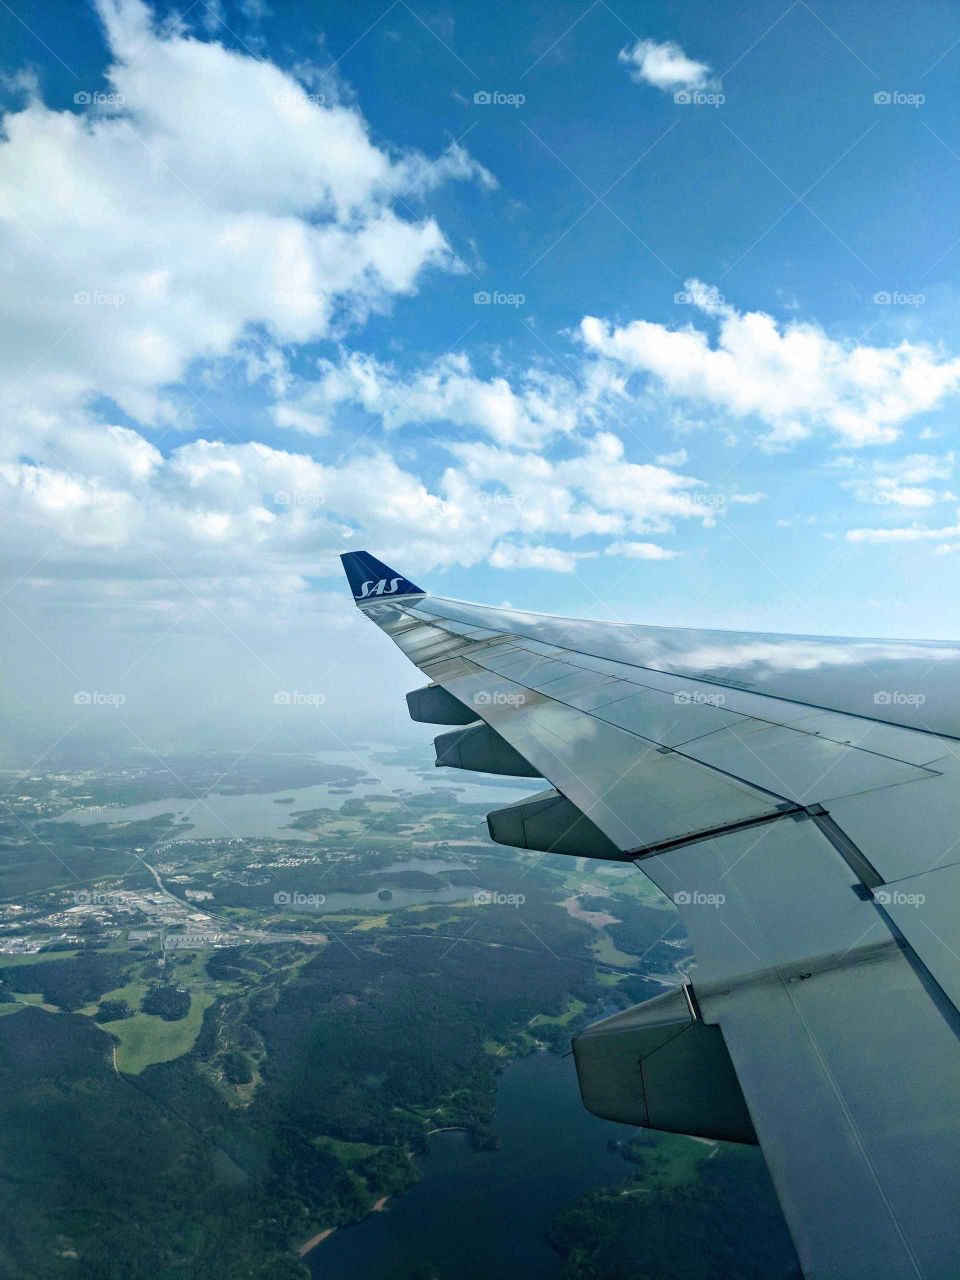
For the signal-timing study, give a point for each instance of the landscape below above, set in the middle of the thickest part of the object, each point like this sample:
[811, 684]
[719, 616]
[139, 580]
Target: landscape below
[218, 1048]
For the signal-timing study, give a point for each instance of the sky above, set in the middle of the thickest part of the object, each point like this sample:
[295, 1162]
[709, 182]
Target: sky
[634, 311]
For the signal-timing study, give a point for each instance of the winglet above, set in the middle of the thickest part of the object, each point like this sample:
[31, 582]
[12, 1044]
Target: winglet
[371, 579]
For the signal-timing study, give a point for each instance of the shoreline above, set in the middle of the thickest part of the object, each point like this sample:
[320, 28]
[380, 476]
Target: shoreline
[312, 1243]
[309, 1245]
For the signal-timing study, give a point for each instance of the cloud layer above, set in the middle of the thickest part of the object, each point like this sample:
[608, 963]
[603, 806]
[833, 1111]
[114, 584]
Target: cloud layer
[793, 379]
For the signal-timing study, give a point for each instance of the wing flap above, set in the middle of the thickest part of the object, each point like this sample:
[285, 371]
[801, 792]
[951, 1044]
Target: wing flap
[850, 1068]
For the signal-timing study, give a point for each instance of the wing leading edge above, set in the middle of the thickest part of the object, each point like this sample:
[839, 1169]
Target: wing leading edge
[809, 834]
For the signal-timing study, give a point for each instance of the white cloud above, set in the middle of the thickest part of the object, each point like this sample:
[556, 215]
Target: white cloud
[107, 505]
[210, 195]
[904, 482]
[540, 407]
[904, 533]
[507, 555]
[793, 378]
[640, 551]
[746, 499]
[666, 66]
[594, 490]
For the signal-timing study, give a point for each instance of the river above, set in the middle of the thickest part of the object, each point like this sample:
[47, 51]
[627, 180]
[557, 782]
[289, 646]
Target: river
[479, 1215]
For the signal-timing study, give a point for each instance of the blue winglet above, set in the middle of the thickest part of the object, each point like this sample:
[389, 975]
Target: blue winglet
[370, 578]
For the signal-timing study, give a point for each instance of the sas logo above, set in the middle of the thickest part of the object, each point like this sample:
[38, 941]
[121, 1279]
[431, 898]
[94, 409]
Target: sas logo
[380, 588]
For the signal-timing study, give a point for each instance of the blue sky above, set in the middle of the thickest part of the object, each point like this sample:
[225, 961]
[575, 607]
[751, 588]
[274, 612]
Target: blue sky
[717, 384]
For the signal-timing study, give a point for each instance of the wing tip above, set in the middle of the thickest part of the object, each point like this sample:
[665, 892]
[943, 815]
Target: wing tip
[370, 579]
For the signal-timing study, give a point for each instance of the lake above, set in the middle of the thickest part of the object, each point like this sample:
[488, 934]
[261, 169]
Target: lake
[479, 1215]
[258, 814]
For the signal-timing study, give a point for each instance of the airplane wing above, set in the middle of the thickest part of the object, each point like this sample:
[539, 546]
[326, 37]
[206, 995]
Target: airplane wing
[799, 800]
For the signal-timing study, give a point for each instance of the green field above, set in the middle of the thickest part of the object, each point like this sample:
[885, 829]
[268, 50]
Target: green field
[608, 953]
[144, 1040]
[573, 1009]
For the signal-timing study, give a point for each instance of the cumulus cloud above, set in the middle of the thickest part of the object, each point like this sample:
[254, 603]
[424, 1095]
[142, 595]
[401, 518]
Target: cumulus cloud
[792, 378]
[538, 408]
[904, 482]
[208, 193]
[213, 511]
[278, 215]
[594, 490]
[666, 66]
